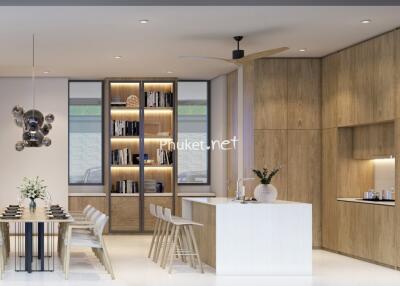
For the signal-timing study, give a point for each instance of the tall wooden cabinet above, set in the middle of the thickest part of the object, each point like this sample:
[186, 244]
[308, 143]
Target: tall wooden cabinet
[139, 142]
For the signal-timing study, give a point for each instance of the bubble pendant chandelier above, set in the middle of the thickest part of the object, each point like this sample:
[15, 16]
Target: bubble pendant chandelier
[34, 125]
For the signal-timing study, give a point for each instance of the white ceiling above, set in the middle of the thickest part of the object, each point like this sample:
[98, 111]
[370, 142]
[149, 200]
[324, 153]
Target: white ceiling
[80, 42]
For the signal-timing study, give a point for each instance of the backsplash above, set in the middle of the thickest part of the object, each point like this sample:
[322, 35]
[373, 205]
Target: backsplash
[384, 174]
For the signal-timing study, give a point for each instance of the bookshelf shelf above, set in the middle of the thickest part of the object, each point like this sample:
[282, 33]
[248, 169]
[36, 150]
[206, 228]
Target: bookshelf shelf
[141, 115]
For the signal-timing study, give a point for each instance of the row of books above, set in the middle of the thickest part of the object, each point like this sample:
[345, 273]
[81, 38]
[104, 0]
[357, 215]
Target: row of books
[164, 157]
[158, 99]
[125, 128]
[125, 187]
[124, 157]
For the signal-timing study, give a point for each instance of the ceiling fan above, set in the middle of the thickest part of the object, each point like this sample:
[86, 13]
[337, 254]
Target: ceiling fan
[238, 57]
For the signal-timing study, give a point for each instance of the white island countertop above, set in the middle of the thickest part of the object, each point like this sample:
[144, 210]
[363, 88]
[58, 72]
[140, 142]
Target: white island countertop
[253, 238]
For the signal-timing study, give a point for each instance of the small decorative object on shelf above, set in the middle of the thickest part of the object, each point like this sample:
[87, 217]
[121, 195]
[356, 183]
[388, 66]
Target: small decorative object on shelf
[265, 192]
[132, 101]
[33, 189]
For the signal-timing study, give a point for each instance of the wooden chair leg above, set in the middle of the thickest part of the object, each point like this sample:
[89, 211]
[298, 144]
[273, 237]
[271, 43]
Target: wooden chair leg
[161, 242]
[154, 237]
[189, 246]
[108, 261]
[169, 245]
[173, 248]
[166, 241]
[196, 249]
[157, 244]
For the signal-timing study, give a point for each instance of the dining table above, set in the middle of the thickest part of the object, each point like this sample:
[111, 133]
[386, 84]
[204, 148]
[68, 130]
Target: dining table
[34, 237]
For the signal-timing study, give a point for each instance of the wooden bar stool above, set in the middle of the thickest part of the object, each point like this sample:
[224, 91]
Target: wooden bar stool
[181, 242]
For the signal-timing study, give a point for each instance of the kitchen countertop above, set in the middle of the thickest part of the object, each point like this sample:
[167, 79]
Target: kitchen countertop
[196, 194]
[361, 201]
[231, 201]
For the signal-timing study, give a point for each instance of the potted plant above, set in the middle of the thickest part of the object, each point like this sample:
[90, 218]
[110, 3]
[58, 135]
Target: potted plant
[265, 192]
[33, 189]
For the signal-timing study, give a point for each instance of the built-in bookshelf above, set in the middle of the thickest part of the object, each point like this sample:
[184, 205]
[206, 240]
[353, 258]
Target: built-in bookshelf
[141, 122]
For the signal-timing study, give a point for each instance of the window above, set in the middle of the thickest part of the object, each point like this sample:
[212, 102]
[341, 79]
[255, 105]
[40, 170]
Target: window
[85, 132]
[193, 126]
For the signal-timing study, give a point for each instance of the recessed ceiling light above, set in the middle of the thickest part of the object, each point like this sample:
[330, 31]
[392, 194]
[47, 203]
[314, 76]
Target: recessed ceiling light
[46, 72]
[117, 57]
[302, 50]
[170, 72]
[366, 21]
[143, 21]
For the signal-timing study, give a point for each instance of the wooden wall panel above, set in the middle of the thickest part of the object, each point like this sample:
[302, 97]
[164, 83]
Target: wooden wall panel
[373, 141]
[206, 234]
[353, 176]
[232, 120]
[304, 173]
[397, 71]
[270, 98]
[330, 67]
[304, 94]
[149, 220]
[397, 186]
[125, 214]
[270, 147]
[329, 184]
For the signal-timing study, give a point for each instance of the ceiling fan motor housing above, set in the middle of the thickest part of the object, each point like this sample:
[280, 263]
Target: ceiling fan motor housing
[237, 54]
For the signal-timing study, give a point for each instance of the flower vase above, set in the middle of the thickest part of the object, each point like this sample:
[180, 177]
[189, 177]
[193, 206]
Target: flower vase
[32, 206]
[265, 193]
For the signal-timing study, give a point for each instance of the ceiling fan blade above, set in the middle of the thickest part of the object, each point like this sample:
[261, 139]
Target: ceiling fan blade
[206, 58]
[260, 55]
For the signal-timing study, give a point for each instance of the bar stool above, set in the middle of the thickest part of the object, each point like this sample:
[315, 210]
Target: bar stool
[152, 208]
[181, 242]
[160, 233]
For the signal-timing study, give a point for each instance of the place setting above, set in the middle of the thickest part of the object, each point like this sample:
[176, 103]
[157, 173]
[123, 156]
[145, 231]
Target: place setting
[56, 212]
[12, 212]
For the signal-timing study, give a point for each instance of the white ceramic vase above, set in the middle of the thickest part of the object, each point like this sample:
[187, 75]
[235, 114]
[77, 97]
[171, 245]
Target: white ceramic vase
[265, 193]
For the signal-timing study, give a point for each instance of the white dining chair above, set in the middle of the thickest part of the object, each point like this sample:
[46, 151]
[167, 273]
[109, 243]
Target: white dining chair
[3, 251]
[93, 240]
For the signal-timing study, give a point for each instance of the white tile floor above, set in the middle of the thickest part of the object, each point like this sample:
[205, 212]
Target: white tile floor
[131, 266]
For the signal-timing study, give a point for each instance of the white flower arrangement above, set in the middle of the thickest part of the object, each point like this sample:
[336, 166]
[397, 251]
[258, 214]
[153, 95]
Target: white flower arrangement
[33, 188]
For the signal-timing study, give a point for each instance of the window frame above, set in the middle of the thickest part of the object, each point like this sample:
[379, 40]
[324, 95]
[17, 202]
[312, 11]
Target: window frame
[208, 132]
[102, 134]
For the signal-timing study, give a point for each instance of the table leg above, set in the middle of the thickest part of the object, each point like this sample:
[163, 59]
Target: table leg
[28, 247]
[41, 245]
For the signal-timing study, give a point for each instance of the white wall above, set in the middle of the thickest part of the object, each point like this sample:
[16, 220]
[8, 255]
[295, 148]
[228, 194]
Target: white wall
[218, 159]
[49, 163]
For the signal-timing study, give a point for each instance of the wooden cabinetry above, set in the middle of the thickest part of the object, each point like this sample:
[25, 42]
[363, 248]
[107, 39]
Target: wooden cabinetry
[270, 149]
[149, 220]
[304, 169]
[304, 94]
[330, 66]
[366, 82]
[124, 214]
[78, 203]
[373, 141]
[270, 98]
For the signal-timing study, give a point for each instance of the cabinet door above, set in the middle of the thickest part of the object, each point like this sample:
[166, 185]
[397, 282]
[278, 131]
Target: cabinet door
[384, 77]
[304, 169]
[345, 99]
[330, 72]
[304, 94]
[125, 214]
[270, 98]
[271, 150]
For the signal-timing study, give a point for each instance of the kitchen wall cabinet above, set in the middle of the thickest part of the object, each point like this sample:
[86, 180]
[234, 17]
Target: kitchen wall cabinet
[366, 82]
[330, 66]
[304, 94]
[373, 141]
[397, 71]
[270, 98]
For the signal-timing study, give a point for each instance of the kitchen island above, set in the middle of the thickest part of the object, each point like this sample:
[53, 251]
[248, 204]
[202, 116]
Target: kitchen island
[252, 238]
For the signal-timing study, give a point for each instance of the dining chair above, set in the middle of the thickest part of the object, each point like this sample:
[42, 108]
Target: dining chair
[3, 251]
[93, 240]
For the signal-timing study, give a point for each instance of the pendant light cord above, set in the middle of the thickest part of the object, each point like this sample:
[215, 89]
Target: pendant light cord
[33, 71]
